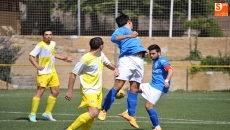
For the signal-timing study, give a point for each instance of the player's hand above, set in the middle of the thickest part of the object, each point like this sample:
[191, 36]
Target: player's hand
[133, 34]
[67, 59]
[146, 54]
[40, 68]
[166, 84]
[68, 95]
[116, 72]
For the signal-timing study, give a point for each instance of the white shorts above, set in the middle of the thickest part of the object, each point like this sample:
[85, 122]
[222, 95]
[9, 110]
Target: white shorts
[131, 68]
[151, 94]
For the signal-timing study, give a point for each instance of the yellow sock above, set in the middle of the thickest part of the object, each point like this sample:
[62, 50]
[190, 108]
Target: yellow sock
[87, 125]
[50, 104]
[35, 104]
[82, 119]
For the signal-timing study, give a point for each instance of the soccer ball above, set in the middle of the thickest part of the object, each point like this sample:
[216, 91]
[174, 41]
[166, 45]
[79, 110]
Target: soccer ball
[120, 94]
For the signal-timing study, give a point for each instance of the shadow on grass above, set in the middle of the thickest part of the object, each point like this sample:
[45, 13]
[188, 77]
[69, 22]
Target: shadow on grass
[27, 119]
[133, 129]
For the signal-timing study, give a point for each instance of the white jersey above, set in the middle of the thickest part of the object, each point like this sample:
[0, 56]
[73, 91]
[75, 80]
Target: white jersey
[89, 69]
[46, 56]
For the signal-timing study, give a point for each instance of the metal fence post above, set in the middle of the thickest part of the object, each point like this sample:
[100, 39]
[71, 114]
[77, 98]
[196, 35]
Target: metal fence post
[187, 79]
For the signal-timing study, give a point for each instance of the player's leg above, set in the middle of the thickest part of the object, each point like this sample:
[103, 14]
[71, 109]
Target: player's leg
[41, 86]
[123, 68]
[51, 101]
[135, 80]
[137, 70]
[132, 97]
[110, 97]
[87, 125]
[152, 115]
[152, 96]
[35, 103]
[131, 104]
[139, 91]
[85, 119]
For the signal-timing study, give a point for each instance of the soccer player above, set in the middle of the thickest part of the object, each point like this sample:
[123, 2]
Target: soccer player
[162, 73]
[46, 74]
[130, 65]
[89, 68]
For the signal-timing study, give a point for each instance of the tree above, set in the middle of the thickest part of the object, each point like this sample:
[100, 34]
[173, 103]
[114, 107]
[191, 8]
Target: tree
[39, 11]
[198, 24]
[8, 55]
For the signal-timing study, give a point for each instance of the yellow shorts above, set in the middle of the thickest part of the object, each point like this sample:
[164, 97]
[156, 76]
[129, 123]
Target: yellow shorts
[91, 100]
[48, 80]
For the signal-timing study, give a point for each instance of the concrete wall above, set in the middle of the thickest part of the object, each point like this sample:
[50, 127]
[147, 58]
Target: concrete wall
[175, 49]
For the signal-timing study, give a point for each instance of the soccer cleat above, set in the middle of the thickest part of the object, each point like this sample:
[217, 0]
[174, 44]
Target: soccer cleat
[121, 114]
[48, 116]
[32, 117]
[159, 128]
[102, 115]
[130, 119]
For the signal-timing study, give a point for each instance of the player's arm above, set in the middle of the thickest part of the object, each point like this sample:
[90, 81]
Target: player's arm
[64, 58]
[32, 59]
[169, 69]
[116, 37]
[112, 67]
[78, 68]
[69, 94]
[109, 65]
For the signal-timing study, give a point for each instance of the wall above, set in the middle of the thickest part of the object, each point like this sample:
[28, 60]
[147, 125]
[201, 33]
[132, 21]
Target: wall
[175, 49]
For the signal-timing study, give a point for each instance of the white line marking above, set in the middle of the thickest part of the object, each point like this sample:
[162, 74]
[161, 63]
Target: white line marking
[168, 97]
[114, 121]
[163, 120]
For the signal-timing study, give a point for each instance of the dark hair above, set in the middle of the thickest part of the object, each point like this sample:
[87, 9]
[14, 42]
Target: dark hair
[46, 29]
[96, 42]
[122, 20]
[154, 47]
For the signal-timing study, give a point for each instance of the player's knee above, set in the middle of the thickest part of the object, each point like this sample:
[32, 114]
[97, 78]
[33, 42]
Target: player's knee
[55, 91]
[134, 90]
[93, 114]
[118, 84]
[148, 106]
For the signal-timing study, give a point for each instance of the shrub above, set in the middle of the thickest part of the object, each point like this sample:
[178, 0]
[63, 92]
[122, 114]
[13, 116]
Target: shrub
[8, 55]
[213, 61]
[212, 29]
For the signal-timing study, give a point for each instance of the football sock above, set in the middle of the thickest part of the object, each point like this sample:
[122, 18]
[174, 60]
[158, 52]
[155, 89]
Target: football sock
[50, 104]
[132, 102]
[109, 99]
[35, 104]
[87, 125]
[153, 117]
[82, 119]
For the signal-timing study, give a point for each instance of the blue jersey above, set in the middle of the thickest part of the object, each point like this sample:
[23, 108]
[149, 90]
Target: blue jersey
[159, 74]
[127, 46]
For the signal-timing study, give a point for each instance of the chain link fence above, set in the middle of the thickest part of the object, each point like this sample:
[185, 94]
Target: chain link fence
[190, 32]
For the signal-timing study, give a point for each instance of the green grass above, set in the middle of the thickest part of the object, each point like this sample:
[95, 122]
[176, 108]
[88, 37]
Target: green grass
[177, 111]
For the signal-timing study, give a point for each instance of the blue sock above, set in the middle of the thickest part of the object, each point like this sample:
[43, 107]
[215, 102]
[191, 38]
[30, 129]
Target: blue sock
[153, 117]
[109, 99]
[132, 102]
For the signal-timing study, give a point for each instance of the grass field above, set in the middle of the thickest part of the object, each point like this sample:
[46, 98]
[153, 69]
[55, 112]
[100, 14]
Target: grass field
[177, 111]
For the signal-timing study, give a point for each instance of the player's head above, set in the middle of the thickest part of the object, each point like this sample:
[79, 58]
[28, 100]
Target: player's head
[47, 35]
[96, 43]
[123, 20]
[154, 51]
